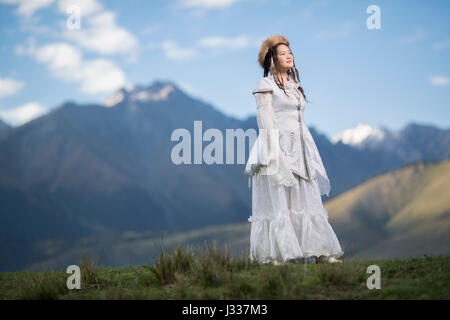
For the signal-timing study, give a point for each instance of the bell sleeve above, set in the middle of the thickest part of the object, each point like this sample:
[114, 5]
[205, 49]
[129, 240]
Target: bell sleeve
[269, 161]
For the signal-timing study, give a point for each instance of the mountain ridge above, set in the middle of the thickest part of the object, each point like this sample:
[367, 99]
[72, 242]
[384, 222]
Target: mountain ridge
[92, 169]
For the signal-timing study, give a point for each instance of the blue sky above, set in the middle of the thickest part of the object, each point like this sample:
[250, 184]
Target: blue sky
[387, 77]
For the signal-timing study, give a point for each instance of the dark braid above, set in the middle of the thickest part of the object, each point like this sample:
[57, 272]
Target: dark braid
[292, 72]
[296, 75]
[267, 62]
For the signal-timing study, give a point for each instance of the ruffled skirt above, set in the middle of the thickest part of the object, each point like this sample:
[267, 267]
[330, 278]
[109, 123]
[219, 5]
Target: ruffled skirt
[289, 222]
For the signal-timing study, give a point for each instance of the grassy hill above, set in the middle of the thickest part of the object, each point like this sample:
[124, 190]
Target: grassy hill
[399, 214]
[213, 273]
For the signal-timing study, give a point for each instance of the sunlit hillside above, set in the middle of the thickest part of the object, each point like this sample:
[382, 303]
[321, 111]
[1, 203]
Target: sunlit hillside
[401, 213]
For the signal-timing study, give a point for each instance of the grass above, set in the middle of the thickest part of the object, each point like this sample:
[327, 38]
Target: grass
[212, 273]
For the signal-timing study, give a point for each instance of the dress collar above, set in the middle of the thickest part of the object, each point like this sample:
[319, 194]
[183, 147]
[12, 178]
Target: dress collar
[291, 87]
[288, 85]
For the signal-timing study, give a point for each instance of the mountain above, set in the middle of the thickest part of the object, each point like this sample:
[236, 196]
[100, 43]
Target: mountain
[413, 143]
[86, 170]
[111, 168]
[83, 170]
[399, 214]
[362, 136]
[3, 126]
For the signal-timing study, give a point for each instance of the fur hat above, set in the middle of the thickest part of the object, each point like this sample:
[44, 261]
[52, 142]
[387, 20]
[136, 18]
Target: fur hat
[269, 42]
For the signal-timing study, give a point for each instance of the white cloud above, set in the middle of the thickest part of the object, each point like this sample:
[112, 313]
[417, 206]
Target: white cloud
[87, 7]
[99, 31]
[199, 8]
[9, 86]
[440, 81]
[173, 51]
[233, 43]
[101, 75]
[24, 113]
[28, 7]
[206, 4]
[103, 35]
[58, 56]
[66, 62]
[30, 23]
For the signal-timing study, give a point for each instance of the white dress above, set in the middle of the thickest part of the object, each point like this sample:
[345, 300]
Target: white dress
[288, 219]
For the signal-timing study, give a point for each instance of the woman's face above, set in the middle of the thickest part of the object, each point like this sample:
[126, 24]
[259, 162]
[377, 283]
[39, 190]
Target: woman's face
[285, 57]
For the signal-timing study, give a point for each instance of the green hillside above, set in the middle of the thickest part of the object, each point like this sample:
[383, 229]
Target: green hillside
[213, 273]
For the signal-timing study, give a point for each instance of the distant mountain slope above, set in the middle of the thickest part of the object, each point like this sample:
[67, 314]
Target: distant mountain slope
[401, 213]
[3, 127]
[398, 214]
[135, 248]
[413, 143]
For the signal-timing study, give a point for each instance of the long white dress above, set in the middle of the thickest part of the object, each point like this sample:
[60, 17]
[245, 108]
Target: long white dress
[288, 219]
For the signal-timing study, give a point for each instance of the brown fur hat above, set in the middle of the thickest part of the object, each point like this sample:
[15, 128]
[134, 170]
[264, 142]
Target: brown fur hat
[269, 42]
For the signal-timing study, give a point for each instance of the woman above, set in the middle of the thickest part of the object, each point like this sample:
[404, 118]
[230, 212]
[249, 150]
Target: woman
[288, 221]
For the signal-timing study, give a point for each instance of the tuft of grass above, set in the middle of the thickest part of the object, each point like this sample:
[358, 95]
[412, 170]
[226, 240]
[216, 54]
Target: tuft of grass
[336, 275]
[90, 269]
[166, 266]
[212, 273]
[41, 285]
[213, 265]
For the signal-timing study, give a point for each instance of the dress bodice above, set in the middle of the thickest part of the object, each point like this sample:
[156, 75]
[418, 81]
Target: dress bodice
[288, 119]
[298, 151]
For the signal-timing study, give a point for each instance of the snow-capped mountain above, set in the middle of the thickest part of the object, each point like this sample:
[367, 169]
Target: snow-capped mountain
[412, 143]
[159, 91]
[360, 136]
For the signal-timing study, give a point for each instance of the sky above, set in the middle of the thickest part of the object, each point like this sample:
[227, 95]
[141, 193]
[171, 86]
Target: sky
[384, 77]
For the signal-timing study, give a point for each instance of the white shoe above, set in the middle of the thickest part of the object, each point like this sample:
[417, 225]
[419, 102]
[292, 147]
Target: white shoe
[331, 259]
[334, 260]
